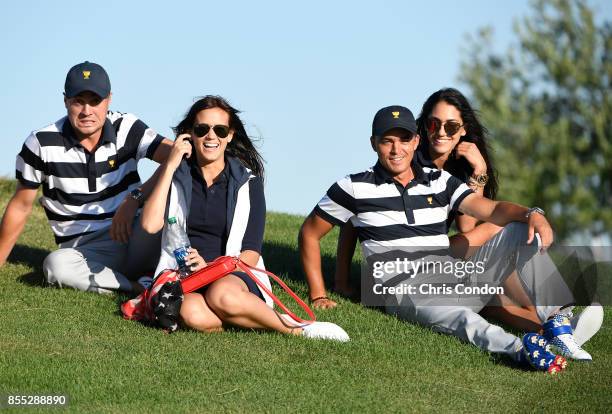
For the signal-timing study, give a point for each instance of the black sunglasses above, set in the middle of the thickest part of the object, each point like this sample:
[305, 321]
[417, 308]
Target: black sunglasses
[201, 130]
[450, 127]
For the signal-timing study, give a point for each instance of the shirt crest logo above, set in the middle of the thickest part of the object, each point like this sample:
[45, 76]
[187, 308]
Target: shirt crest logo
[111, 163]
[395, 114]
[429, 200]
[86, 74]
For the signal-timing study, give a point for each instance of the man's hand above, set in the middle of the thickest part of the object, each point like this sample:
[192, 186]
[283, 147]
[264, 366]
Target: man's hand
[537, 223]
[121, 229]
[323, 302]
[503, 212]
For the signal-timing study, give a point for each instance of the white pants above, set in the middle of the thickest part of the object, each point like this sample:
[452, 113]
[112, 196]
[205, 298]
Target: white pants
[505, 252]
[96, 263]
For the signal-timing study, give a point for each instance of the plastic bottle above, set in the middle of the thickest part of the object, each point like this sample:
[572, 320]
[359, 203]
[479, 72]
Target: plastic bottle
[179, 244]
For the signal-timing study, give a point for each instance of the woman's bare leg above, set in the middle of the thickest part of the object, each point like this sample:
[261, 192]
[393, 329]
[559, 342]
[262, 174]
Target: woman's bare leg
[229, 298]
[514, 308]
[196, 314]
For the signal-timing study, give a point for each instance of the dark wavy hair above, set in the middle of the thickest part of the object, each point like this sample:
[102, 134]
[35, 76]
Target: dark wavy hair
[475, 132]
[241, 145]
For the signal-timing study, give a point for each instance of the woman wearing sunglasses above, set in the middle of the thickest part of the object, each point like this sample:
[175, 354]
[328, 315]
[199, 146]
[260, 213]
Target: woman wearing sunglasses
[456, 142]
[223, 173]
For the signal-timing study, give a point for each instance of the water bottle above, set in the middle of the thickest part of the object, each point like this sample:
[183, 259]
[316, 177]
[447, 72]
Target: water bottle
[179, 244]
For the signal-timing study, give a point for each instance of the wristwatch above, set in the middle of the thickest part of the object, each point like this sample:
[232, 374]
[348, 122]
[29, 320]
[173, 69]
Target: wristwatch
[138, 196]
[534, 210]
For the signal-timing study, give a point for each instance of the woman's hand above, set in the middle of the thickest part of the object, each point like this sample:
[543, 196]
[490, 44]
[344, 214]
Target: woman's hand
[182, 147]
[472, 154]
[194, 260]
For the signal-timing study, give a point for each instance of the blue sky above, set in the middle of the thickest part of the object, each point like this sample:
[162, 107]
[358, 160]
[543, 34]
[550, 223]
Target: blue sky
[309, 76]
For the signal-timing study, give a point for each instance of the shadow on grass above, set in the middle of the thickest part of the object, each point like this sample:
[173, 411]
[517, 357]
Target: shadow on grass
[283, 259]
[30, 256]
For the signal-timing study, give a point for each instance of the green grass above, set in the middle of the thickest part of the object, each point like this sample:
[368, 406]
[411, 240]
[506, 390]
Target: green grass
[75, 343]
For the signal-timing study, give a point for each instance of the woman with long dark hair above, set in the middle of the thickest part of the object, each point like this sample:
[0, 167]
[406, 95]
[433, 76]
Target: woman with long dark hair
[456, 141]
[453, 139]
[225, 215]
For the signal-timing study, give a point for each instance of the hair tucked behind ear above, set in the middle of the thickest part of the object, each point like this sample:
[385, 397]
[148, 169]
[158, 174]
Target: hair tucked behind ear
[475, 132]
[241, 145]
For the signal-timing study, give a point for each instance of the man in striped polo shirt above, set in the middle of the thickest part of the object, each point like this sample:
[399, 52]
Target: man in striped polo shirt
[87, 165]
[399, 209]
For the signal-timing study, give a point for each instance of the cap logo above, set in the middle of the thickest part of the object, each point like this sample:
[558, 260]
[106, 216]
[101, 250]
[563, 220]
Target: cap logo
[395, 114]
[86, 74]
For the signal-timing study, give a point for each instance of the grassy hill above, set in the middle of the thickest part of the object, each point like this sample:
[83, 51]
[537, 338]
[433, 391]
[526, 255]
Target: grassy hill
[56, 341]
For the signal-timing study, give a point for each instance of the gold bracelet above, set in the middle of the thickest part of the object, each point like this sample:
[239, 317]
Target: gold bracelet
[479, 181]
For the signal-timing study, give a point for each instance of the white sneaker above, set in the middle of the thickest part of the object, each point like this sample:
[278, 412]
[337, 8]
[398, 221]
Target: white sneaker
[558, 332]
[587, 323]
[325, 330]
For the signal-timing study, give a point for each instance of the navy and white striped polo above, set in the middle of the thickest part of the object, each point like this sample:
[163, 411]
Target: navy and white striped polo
[82, 190]
[388, 215]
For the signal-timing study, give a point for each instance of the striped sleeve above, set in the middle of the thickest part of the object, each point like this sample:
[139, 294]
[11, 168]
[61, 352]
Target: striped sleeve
[140, 140]
[29, 166]
[253, 235]
[149, 141]
[338, 204]
[456, 190]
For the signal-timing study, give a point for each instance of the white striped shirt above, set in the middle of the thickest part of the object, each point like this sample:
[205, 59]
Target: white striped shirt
[82, 190]
[388, 215]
